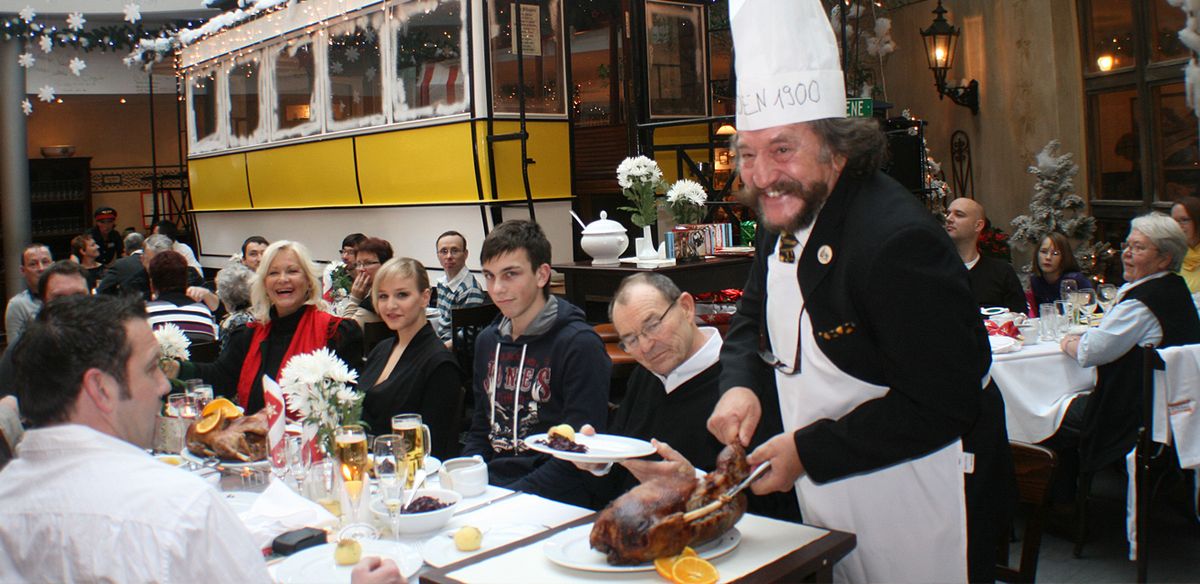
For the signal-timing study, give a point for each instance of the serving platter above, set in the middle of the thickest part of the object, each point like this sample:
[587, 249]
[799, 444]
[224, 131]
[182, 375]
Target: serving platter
[571, 549]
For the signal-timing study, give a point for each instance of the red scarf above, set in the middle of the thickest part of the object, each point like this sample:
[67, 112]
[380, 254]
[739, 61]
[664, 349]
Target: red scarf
[312, 333]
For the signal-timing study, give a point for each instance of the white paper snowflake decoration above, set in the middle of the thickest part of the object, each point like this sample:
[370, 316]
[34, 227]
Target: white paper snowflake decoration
[370, 73]
[76, 21]
[352, 54]
[76, 66]
[46, 93]
[133, 12]
[26, 60]
[336, 67]
[26, 106]
[46, 43]
[27, 13]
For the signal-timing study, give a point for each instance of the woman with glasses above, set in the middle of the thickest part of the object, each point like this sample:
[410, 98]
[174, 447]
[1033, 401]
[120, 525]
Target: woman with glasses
[411, 372]
[369, 254]
[1155, 308]
[1185, 212]
[1053, 263]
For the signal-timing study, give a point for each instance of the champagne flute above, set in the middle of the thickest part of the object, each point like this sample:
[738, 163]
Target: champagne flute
[299, 459]
[391, 469]
[1107, 295]
[1066, 290]
[350, 447]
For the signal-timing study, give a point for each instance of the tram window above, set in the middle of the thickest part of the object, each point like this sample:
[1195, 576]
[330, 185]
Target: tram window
[295, 112]
[204, 106]
[355, 73]
[244, 118]
[541, 29]
[430, 71]
[676, 76]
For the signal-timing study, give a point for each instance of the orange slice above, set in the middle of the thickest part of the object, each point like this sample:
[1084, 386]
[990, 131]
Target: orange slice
[664, 564]
[226, 407]
[692, 570]
[208, 422]
[688, 552]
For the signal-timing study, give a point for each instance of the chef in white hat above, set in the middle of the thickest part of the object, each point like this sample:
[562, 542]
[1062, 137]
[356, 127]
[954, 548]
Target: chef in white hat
[859, 311]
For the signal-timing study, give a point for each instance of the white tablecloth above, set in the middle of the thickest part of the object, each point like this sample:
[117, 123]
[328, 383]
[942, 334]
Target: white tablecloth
[1038, 383]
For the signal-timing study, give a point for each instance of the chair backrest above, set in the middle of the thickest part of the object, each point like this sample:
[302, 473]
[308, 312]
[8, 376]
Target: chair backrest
[479, 315]
[1034, 470]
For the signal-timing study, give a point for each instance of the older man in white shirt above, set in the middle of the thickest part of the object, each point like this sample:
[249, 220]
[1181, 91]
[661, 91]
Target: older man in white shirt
[83, 502]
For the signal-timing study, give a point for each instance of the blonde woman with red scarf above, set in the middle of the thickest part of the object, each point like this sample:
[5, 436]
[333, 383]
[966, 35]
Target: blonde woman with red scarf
[286, 304]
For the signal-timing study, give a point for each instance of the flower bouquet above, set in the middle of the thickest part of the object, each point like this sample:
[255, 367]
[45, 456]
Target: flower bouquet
[685, 201]
[317, 387]
[173, 346]
[640, 178]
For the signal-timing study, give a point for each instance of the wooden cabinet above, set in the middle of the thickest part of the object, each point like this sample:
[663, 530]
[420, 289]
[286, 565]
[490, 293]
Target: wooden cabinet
[60, 191]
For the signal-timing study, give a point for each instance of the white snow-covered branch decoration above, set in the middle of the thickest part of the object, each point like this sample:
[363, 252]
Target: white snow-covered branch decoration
[1190, 36]
[151, 51]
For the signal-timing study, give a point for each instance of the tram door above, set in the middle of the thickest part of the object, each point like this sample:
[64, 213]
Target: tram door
[601, 104]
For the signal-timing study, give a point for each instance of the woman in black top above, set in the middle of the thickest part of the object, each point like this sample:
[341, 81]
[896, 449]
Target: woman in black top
[412, 372]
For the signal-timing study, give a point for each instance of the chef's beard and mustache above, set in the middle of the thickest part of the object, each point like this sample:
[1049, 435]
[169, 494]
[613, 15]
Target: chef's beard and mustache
[813, 197]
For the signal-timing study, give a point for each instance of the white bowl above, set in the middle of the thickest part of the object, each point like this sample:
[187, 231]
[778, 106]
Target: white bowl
[412, 523]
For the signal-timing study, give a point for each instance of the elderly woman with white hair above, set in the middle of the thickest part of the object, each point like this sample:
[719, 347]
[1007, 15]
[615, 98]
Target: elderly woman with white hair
[233, 288]
[285, 300]
[1154, 307]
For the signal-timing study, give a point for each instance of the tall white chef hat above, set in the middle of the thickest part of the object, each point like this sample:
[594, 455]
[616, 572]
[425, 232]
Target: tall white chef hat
[787, 62]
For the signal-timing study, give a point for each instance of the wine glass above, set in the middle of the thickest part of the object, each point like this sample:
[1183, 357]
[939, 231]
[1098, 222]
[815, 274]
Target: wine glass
[1086, 301]
[350, 447]
[391, 470]
[1107, 296]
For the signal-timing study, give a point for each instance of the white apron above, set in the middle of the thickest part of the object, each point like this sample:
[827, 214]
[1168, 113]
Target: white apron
[910, 518]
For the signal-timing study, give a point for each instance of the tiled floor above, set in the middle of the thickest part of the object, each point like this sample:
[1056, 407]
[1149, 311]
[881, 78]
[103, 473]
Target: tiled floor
[1174, 541]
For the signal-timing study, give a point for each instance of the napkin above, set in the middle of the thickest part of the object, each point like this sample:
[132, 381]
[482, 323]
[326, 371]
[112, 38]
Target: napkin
[1007, 329]
[280, 509]
[273, 396]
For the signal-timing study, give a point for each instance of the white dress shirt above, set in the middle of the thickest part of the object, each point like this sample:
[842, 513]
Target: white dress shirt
[82, 506]
[1130, 323]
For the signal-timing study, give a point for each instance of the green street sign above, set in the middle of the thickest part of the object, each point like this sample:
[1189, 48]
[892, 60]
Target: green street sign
[860, 108]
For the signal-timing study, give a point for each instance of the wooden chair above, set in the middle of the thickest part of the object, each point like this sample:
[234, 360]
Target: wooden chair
[1035, 470]
[469, 321]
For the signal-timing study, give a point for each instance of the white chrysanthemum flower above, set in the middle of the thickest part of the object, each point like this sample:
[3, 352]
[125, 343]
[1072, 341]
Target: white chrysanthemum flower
[637, 169]
[687, 191]
[317, 388]
[172, 342]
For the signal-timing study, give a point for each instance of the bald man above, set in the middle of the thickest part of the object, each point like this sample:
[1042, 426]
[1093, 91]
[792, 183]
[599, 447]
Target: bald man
[993, 281]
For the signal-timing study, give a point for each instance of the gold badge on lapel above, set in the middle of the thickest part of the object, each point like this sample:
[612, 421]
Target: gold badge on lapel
[825, 254]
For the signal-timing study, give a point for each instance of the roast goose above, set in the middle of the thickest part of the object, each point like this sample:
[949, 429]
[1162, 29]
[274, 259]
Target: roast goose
[242, 439]
[648, 522]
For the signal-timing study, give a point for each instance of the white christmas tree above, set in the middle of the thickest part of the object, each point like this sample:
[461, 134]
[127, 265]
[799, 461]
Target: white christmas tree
[1056, 207]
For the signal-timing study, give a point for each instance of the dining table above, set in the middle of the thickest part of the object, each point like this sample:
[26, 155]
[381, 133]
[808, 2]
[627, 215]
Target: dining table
[1038, 382]
[761, 550]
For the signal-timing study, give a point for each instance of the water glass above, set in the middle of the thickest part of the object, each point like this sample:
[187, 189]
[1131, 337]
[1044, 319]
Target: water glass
[202, 393]
[1064, 310]
[1047, 322]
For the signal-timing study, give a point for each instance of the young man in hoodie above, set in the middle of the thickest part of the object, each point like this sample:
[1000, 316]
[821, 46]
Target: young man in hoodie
[545, 343]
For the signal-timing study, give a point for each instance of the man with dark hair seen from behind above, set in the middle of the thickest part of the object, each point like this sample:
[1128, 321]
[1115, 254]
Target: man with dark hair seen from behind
[850, 270]
[105, 235]
[539, 365]
[83, 501]
[23, 306]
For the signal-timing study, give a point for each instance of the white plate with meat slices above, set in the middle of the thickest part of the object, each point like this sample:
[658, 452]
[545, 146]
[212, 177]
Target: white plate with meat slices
[571, 549]
[601, 448]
